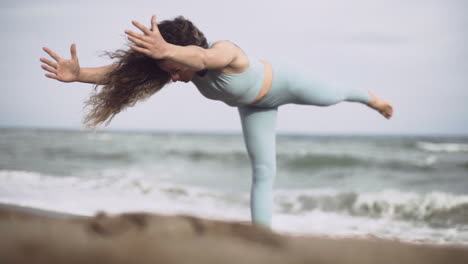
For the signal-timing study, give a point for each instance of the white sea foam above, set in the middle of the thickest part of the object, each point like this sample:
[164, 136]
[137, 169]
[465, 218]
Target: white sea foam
[332, 215]
[322, 220]
[442, 147]
[115, 195]
[436, 208]
[337, 225]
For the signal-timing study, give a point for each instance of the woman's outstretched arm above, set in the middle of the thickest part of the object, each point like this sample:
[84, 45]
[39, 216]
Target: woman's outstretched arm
[69, 70]
[218, 56]
[95, 75]
[152, 44]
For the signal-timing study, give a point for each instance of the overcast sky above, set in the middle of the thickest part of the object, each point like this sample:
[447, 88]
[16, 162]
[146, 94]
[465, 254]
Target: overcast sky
[412, 52]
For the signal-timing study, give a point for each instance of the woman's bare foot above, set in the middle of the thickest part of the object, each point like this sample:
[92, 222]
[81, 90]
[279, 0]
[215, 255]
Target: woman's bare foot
[379, 104]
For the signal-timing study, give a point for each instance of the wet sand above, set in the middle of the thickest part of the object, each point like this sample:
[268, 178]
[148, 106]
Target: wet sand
[29, 235]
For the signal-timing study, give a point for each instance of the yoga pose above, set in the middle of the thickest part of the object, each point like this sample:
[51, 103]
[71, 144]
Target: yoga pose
[176, 50]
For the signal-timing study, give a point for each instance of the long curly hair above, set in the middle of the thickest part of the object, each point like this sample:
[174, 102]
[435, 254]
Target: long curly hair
[135, 77]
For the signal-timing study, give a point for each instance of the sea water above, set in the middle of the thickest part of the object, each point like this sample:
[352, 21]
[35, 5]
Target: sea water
[413, 188]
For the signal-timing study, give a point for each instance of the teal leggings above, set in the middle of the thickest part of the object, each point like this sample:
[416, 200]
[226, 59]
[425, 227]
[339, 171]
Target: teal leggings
[290, 85]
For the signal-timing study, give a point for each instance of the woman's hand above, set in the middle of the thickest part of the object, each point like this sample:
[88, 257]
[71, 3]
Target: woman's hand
[151, 44]
[62, 70]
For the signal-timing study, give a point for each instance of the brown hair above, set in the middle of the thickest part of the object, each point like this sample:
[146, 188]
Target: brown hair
[135, 76]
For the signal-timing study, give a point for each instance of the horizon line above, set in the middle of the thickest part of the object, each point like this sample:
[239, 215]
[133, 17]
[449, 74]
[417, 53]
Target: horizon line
[231, 132]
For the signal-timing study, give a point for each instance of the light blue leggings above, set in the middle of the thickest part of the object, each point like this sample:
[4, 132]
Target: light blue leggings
[290, 85]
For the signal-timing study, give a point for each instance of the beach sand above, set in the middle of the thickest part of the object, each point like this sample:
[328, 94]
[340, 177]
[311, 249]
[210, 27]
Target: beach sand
[29, 235]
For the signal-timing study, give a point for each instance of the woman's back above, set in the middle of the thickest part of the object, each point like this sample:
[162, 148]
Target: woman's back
[234, 89]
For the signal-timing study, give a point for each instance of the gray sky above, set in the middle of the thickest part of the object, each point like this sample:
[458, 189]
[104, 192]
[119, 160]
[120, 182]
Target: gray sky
[412, 52]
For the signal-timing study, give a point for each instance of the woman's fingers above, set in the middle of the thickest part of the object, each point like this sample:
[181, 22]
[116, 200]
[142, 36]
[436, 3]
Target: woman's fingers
[49, 62]
[136, 35]
[73, 51]
[142, 28]
[52, 54]
[150, 43]
[138, 42]
[52, 76]
[138, 39]
[154, 24]
[49, 69]
[141, 50]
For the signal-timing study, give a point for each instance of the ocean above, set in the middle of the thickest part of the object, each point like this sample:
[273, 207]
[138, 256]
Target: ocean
[412, 188]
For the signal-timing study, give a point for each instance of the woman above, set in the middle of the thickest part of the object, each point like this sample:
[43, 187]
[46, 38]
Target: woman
[176, 50]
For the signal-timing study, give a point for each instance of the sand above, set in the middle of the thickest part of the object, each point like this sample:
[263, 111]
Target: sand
[29, 235]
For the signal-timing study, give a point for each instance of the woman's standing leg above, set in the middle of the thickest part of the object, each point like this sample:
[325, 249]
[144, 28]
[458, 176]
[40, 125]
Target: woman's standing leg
[258, 126]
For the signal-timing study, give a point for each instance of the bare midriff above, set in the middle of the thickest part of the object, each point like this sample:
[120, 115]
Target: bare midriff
[266, 86]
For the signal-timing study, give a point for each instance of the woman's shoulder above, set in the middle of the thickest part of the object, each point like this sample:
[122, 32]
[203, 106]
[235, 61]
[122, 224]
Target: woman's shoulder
[240, 64]
[226, 43]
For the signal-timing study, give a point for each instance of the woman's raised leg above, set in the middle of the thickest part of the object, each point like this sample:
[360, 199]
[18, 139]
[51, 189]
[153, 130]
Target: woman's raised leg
[258, 126]
[293, 84]
[307, 90]
[310, 92]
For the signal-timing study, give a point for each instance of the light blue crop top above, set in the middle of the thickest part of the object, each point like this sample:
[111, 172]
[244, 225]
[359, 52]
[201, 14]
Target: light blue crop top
[235, 89]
